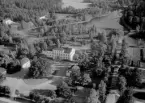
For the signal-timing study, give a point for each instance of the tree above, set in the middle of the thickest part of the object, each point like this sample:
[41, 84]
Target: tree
[102, 37]
[2, 32]
[99, 72]
[43, 45]
[71, 100]
[102, 91]
[2, 77]
[75, 72]
[92, 98]
[22, 52]
[126, 97]
[32, 50]
[122, 84]
[58, 43]
[74, 39]
[136, 76]
[49, 42]
[40, 68]
[63, 90]
[76, 57]
[63, 37]
[86, 79]
[124, 51]
[5, 90]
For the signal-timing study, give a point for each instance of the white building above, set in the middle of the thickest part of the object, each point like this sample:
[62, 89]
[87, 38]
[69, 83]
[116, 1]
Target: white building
[60, 53]
[8, 21]
[25, 63]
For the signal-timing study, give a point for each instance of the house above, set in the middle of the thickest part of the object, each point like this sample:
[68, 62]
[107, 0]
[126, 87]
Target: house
[43, 18]
[63, 53]
[2, 71]
[25, 63]
[8, 21]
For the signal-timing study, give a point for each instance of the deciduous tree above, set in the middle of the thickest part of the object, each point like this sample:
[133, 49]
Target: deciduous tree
[126, 97]
[122, 84]
[92, 98]
[102, 91]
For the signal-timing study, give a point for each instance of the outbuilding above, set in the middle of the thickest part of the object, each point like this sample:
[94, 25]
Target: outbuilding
[25, 63]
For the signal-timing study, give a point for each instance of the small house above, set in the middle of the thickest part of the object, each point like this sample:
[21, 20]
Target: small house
[63, 53]
[8, 21]
[25, 63]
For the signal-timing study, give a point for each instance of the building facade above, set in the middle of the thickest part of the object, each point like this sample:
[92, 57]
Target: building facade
[60, 53]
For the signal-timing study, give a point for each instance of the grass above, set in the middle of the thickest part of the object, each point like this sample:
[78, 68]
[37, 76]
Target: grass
[3, 102]
[35, 81]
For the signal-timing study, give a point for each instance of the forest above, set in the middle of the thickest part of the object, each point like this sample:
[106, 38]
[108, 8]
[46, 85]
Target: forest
[26, 9]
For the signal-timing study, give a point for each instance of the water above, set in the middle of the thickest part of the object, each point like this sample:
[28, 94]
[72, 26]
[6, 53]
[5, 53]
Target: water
[77, 4]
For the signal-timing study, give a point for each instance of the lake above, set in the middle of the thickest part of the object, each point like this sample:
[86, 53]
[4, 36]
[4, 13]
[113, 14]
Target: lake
[77, 4]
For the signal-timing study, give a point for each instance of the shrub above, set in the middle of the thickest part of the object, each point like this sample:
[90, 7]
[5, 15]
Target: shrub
[47, 93]
[5, 90]
[63, 90]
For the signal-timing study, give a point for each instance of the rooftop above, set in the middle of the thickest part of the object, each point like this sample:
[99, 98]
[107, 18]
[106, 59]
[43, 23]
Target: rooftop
[60, 49]
[66, 49]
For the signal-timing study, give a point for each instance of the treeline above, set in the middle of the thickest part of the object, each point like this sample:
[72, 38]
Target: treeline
[26, 9]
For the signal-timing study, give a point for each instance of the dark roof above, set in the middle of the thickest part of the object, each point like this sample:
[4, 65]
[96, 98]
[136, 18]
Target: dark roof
[66, 49]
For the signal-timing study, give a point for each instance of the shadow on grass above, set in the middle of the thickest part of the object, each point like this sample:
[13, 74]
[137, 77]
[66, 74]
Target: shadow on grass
[139, 95]
[3, 95]
[23, 100]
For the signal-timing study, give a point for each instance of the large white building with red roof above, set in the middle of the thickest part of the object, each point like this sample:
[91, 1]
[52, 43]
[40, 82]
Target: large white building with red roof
[63, 53]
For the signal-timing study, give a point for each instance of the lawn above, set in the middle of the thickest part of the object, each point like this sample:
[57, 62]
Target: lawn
[35, 81]
[20, 74]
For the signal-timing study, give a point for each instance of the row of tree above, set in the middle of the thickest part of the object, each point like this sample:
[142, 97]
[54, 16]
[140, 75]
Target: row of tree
[25, 9]
[40, 68]
[50, 96]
